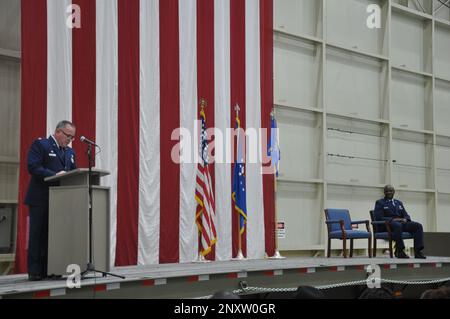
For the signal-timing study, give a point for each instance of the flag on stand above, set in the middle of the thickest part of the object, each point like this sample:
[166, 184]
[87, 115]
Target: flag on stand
[239, 194]
[274, 149]
[204, 195]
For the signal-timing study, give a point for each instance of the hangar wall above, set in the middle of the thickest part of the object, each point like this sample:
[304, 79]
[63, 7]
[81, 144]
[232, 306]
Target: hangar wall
[359, 107]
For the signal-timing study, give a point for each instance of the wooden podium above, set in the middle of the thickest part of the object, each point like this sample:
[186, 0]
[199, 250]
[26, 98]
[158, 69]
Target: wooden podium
[68, 223]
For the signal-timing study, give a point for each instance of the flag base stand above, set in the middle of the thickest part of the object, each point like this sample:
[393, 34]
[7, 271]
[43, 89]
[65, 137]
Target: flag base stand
[201, 259]
[276, 255]
[239, 256]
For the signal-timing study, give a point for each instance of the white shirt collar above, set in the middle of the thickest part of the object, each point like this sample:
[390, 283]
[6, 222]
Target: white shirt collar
[57, 144]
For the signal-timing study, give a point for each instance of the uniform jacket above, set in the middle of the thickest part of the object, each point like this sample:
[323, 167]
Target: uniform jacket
[386, 209]
[46, 159]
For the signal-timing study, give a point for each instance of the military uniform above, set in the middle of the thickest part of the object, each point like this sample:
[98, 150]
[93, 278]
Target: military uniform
[45, 159]
[388, 209]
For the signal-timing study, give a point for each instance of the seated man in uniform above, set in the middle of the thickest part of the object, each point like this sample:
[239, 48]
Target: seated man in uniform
[394, 212]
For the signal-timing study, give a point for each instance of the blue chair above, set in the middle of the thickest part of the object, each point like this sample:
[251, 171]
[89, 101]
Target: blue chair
[339, 225]
[382, 230]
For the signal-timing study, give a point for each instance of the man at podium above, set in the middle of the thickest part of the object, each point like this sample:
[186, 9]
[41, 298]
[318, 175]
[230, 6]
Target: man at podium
[46, 157]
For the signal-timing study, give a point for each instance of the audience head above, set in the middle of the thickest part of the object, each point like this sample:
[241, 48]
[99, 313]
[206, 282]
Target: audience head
[376, 293]
[439, 293]
[225, 294]
[308, 292]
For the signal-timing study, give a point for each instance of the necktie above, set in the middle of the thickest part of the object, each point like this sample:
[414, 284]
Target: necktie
[63, 154]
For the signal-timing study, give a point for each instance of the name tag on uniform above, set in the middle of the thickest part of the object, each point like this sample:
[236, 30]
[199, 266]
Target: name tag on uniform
[386, 207]
[52, 154]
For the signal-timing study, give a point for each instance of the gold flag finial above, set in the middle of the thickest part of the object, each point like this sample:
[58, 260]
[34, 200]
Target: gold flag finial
[237, 109]
[203, 103]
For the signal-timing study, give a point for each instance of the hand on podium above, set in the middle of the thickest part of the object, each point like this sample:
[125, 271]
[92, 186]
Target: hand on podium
[60, 173]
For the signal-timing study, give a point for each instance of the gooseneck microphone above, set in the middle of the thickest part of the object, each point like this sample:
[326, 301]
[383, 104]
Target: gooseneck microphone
[88, 141]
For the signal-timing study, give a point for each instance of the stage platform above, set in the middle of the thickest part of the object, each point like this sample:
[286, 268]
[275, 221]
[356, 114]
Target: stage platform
[197, 280]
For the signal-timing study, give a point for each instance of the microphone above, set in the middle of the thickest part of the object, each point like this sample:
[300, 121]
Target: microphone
[88, 141]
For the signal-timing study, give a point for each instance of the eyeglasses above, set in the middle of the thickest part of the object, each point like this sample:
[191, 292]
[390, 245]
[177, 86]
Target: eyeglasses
[71, 137]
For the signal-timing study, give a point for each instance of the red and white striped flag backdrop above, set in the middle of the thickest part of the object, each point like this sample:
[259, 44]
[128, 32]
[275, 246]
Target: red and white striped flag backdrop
[127, 78]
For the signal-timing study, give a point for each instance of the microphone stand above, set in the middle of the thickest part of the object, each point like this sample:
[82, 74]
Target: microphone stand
[90, 265]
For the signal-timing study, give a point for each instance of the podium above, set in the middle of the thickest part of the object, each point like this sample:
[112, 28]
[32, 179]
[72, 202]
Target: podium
[68, 223]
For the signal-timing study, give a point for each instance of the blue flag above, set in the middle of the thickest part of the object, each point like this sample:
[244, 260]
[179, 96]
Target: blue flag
[239, 193]
[274, 149]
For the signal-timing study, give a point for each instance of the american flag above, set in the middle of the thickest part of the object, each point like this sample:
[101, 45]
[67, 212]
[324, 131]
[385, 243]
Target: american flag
[204, 195]
[128, 77]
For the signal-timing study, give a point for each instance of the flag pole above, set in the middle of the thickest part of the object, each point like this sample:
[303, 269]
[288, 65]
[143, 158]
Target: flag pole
[277, 254]
[240, 255]
[200, 257]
